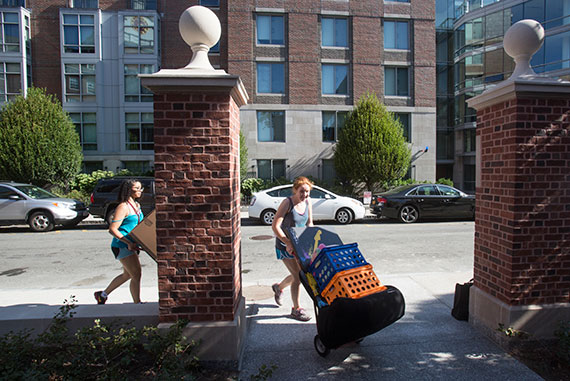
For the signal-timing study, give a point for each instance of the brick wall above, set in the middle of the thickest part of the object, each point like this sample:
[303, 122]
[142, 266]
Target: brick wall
[522, 230]
[197, 203]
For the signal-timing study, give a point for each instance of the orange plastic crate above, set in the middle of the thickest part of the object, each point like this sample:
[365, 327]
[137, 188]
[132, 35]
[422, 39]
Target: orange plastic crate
[353, 283]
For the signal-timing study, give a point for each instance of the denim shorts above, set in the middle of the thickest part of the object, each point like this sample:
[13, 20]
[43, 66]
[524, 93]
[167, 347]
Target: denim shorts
[283, 254]
[122, 252]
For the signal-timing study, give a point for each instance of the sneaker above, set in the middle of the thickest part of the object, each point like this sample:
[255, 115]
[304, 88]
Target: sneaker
[277, 293]
[100, 298]
[300, 314]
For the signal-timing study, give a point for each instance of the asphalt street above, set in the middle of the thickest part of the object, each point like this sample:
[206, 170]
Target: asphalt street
[79, 259]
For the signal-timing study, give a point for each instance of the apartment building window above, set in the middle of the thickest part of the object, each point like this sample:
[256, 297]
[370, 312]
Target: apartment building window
[10, 32]
[396, 35]
[334, 31]
[396, 81]
[210, 3]
[139, 130]
[90, 4]
[404, 119]
[79, 82]
[469, 140]
[86, 127]
[270, 78]
[469, 177]
[329, 171]
[270, 169]
[10, 81]
[134, 91]
[137, 166]
[270, 30]
[335, 79]
[139, 35]
[271, 126]
[149, 5]
[13, 3]
[78, 33]
[333, 121]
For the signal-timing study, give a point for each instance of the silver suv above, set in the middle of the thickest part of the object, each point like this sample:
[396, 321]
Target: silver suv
[42, 210]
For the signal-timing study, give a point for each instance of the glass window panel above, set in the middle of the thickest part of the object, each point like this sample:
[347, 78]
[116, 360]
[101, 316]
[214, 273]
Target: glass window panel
[390, 81]
[88, 68]
[70, 19]
[277, 30]
[389, 35]
[328, 126]
[12, 67]
[87, 19]
[341, 32]
[70, 35]
[87, 35]
[327, 31]
[328, 79]
[402, 35]
[341, 79]
[263, 29]
[88, 85]
[264, 169]
[263, 78]
[278, 126]
[264, 129]
[534, 9]
[89, 133]
[11, 33]
[277, 78]
[402, 81]
[147, 117]
[278, 169]
[131, 85]
[13, 83]
[89, 117]
[404, 120]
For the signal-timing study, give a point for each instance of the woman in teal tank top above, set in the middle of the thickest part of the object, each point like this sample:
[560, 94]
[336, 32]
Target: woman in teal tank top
[127, 215]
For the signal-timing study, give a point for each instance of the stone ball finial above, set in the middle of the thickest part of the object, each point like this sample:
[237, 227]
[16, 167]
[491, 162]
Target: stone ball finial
[201, 29]
[521, 41]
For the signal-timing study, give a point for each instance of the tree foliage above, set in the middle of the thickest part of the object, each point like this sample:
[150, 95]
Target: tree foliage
[371, 147]
[242, 157]
[39, 143]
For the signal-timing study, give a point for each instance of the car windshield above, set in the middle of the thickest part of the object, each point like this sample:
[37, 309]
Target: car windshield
[35, 192]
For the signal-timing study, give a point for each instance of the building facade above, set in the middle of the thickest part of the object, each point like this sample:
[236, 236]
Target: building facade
[304, 63]
[471, 59]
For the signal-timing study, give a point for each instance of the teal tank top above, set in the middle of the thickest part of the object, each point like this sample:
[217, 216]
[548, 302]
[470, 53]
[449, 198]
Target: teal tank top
[128, 224]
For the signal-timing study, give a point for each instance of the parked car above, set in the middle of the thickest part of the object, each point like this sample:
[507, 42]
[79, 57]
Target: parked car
[104, 196]
[326, 205]
[42, 210]
[408, 203]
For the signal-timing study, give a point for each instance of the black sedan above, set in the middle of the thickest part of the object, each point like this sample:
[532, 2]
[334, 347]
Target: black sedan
[408, 203]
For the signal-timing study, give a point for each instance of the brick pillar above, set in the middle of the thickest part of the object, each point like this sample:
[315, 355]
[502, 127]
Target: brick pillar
[196, 144]
[522, 225]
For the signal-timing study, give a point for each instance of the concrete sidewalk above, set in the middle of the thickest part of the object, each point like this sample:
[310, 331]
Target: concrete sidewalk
[427, 343]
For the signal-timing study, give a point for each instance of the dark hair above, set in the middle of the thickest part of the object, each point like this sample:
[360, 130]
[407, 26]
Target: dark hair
[126, 189]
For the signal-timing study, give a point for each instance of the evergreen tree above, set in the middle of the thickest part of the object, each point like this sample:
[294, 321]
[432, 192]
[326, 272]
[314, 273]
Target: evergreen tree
[371, 147]
[39, 143]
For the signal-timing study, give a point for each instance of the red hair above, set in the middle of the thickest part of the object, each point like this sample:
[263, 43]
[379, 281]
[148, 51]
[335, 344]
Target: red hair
[302, 180]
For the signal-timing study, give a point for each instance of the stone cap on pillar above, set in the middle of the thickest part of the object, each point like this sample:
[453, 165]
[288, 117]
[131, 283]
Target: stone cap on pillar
[522, 40]
[200, 28]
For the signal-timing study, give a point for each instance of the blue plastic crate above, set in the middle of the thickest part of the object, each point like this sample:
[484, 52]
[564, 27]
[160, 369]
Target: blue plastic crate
[334, 259]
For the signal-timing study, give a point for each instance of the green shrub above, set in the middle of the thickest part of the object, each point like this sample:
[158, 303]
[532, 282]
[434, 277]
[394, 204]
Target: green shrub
[251, 185]
[39, 143]
[100, 352]
[85, 182]
[445, 181]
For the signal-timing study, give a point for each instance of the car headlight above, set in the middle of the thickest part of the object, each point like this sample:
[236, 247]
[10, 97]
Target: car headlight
[65, 205]
[358, 203]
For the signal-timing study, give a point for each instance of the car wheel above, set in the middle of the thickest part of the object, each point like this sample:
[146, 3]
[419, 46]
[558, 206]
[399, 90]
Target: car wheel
[41, 222]
[343, 216]
[267, 216]
[408, 214]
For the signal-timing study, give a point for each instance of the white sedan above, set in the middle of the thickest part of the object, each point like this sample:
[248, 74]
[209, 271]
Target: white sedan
[326, 205]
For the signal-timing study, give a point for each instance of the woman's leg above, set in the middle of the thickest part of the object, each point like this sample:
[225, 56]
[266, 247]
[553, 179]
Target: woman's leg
[286, 282]
[294, 269]
[132, 266]
[119, 280]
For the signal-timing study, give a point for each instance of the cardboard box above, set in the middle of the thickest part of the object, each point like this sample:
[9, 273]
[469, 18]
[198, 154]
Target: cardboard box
[145, 234]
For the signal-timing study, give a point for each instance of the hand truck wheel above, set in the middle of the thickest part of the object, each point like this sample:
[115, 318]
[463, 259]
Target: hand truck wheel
[322, 350]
